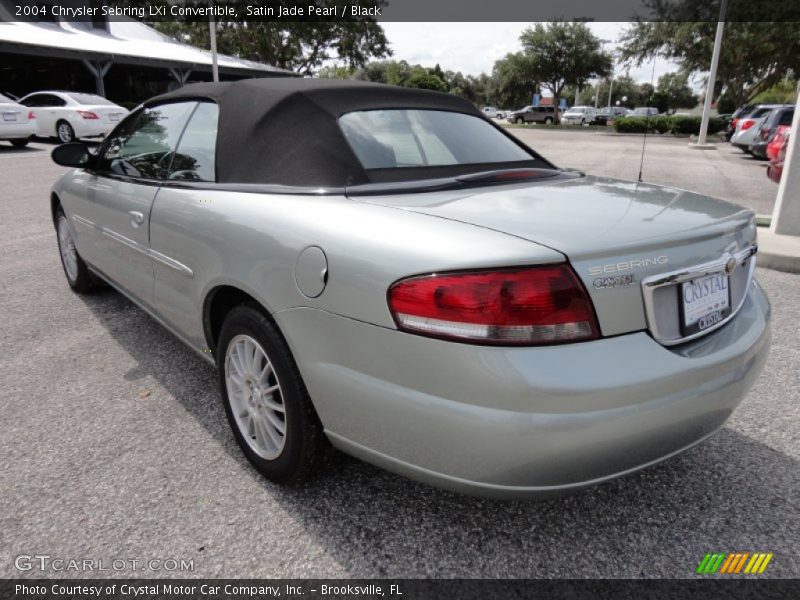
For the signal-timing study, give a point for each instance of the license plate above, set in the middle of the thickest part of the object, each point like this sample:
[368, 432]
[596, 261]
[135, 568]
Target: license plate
[9, 116]
[113, 117]
[705, 301]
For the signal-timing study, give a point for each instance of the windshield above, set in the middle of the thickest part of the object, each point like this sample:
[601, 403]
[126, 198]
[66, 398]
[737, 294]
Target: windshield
[396, 138]
[90, 99]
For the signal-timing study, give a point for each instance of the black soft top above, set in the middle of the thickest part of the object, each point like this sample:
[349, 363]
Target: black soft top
[284, 130]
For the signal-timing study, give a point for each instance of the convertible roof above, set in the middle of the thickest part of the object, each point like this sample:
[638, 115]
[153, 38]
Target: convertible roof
[284, 131]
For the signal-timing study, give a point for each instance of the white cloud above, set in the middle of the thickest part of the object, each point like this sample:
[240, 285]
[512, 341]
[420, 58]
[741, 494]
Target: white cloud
[473, 48]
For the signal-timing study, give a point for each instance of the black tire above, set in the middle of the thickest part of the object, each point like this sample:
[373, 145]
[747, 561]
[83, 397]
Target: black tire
[548, 121]
[305, 445]
[64, 132]
[20, 143]
[80, 280]
[518, 121]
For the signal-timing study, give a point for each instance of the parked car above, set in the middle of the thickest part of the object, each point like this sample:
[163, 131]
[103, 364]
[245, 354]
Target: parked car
[493, 113]
[644, 111]
[72, 115]
[385, 269]
[775, 168]
[747, 127]
[533, 114]
[606, 116]
[17, 123]
[778, 141]
[579, 115]
[739, 113]
[777, 117]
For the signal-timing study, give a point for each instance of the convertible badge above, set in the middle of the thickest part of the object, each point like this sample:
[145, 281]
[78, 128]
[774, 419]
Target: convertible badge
[616, 281]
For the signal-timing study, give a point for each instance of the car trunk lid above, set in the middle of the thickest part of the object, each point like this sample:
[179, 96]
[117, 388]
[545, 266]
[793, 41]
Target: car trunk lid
[616, 234]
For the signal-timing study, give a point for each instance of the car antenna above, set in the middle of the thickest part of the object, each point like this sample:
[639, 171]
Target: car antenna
[647, 121]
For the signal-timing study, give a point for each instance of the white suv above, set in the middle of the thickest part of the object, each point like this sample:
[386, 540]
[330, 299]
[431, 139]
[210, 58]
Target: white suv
[579, 115]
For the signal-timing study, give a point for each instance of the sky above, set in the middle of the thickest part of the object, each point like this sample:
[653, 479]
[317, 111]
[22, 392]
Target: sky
[472, 48]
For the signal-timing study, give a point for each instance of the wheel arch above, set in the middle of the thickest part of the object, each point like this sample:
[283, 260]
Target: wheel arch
[219, 301]
[55, 204]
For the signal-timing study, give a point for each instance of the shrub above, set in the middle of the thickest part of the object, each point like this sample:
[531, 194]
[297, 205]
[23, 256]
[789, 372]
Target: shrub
[680, 125]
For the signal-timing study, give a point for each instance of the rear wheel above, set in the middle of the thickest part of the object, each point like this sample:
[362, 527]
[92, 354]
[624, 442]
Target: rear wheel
[76, 271]
[266, 402]
[20, 143]
[65, 132]
[548, 121]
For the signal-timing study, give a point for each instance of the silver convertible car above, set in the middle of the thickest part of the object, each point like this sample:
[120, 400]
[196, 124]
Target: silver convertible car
[387, 271]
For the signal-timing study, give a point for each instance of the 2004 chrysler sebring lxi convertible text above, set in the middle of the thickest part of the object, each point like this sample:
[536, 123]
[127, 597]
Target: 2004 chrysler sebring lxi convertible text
[386, 269]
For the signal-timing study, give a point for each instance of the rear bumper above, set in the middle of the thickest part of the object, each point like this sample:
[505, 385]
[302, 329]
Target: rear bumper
[92, 128]
[521, 422]
[17, 131]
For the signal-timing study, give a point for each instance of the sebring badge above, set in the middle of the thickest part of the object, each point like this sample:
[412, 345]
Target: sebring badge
[628, 265]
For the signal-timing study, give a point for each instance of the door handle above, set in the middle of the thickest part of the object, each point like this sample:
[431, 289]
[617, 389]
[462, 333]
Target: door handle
[137, 218]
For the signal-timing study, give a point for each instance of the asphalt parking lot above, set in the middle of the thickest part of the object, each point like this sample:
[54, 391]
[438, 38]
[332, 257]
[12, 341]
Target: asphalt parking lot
[725, 172]
[115, 445]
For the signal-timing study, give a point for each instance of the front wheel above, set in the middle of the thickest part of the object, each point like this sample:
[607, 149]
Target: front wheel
[21, 143]
[78, 276]
[266, 402]
[548, 121]
[518, 121]
[65, 132]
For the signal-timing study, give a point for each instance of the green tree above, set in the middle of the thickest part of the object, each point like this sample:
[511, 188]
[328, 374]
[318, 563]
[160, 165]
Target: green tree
[299, 46]
[512, 83]
[754, 56]
[675, 91]
[561, 54]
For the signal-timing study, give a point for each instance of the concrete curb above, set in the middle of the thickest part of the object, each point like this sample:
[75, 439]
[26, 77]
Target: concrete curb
[778, 252]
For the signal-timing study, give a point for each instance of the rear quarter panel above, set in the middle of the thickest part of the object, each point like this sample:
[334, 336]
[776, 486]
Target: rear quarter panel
[252, 241]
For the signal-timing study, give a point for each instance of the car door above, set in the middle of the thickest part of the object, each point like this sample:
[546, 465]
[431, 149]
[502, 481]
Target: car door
[48, 109]
[112, 211]
[183, 258]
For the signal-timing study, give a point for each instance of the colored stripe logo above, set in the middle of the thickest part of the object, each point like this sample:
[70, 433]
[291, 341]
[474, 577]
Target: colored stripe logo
[734, 563]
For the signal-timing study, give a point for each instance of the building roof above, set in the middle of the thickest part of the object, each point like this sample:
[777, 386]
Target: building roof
[285, 131]
[123, 41]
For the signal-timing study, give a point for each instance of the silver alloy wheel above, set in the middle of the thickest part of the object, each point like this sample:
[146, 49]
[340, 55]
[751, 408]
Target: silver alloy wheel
[69, 256]
[65, 133]
[255, 396]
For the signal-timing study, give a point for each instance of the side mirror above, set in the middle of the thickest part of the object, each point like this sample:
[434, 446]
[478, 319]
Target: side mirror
[74, 154]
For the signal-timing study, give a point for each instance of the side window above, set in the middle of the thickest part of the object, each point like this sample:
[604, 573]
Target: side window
[786, 117]
[195, 158]
[32, 101]
[51, 101]
[143, 144]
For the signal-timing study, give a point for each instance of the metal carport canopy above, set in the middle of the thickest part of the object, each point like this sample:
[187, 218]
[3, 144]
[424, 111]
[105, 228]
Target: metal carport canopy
[126, 42]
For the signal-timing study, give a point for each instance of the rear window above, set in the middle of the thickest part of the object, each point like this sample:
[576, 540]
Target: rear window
[90, 99]
[397, 138]
[759, 112]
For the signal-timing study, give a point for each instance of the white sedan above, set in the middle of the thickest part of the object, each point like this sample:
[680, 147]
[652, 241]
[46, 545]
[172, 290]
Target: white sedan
[72, 115]
[17, 124]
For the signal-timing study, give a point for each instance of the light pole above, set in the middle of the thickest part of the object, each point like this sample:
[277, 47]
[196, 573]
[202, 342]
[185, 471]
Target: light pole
[212, 32]
[712, 80]
[597, 89]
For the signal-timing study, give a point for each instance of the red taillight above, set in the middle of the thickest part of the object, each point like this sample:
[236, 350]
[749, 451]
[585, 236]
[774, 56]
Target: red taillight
[733, 123]
[747, 124]
[87, 114]
[525, 306]
[31, 115]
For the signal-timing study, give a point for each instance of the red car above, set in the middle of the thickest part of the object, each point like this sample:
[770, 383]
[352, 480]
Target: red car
[777, 141]
[778, 147]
